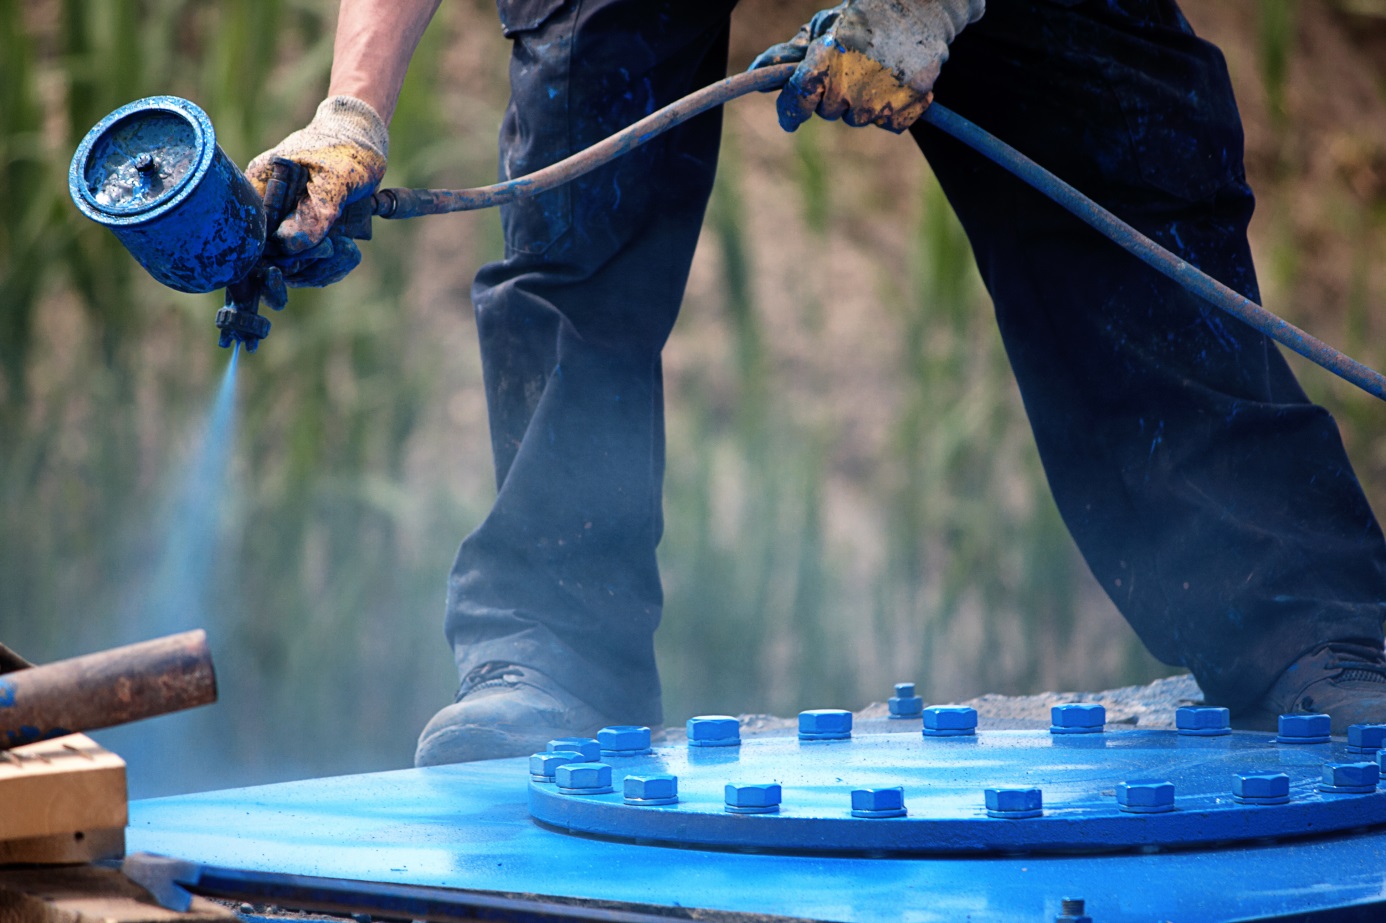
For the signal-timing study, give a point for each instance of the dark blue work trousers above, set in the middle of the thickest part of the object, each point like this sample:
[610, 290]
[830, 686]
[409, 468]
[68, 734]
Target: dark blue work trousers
[1213, 502]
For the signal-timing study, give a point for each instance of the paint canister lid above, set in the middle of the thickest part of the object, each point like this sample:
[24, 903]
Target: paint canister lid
[141, 161]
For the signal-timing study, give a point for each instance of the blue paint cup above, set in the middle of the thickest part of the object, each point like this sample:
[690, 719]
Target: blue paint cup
[152, 172]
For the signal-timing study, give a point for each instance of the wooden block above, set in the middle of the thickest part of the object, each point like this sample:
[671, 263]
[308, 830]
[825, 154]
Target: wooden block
[64, 848]
[61, 787]
[88, 894]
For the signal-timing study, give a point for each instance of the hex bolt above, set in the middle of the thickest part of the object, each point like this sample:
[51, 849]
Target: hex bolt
[878, 802]
[146, 163]
[587, 748]
[1202, 721]
[1261, 788]
[651, 791]
[753, 799]
[1366, 738]
[1073, 910]
[905, 704]
[714, 731]
[584, 779]
[1077, 718]
[1304, 729]
[544, 766]
[950, 721]
[1014, 803]
[1145, 796]
[624, 740]
[1349, 778]
[825, 724]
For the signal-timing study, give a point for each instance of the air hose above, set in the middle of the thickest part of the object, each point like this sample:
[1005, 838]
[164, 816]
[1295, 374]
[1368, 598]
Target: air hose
[412, 203]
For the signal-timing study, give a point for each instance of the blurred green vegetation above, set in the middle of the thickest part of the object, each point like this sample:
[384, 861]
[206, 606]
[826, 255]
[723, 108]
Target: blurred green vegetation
[360, 463]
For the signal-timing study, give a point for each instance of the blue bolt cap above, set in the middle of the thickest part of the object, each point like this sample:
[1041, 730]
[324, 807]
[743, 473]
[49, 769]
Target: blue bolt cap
[950, 721]
[1014, 803]
[1145, 796]
[1261, 788]
[905, 704]
[651, 790]
[1362, 738]
[543, 766]
[1202, 721]
[1077, 718]
[714, 731]
[825, 724]
[1349, 778]
[1304, 729]
[624, 740]
[587, 747]
[583, 778]
[753, 799]
[878, 802]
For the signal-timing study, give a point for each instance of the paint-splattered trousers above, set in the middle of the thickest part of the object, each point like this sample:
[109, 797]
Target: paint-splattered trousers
[1213, 502]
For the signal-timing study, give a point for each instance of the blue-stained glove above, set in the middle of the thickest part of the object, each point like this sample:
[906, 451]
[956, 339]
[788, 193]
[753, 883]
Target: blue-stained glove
[344, 150]
[868, 62]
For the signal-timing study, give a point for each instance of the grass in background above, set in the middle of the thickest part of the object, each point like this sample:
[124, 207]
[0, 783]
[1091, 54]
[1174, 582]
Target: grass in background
[326, 605]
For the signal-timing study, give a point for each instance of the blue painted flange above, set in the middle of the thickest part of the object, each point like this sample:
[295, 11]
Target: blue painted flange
[944, 781]
[152, 172]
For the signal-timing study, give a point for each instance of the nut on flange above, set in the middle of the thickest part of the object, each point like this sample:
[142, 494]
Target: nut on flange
[1077, 718]
[878, 802]
[1014, 803]
[1261, 788]
[825, 724]
[1202, 721]
[752, 799]
[905, 704]
[1304, 729]
[950, 721]
[651, 791]
[714, 731]
[584, 779]
[1145, 796]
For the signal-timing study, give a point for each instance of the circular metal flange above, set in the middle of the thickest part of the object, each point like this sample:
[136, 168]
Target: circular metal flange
[944, 781]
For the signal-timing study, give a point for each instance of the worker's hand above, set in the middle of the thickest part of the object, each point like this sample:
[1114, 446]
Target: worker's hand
[868, 62]
[344, 150]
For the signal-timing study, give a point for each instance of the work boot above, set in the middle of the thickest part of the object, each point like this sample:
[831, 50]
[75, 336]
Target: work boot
[1343, 679]
[503, 709]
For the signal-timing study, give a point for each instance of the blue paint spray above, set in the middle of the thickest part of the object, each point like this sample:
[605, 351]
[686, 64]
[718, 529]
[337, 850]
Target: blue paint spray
[162, 754]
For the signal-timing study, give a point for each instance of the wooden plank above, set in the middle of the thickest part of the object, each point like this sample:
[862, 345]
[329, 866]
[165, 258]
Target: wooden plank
[66, 786]
[88, 894]
[64, 848]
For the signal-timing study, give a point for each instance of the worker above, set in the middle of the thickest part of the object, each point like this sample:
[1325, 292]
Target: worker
[1213, 502]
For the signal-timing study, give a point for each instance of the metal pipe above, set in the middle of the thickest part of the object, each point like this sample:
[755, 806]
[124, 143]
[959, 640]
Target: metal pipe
[107, 688]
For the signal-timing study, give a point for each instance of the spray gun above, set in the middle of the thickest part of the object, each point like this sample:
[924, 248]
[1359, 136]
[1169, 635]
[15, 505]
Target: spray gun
[152, 172]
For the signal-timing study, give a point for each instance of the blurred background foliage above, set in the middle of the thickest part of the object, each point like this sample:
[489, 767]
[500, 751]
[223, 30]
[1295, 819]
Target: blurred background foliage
[853, 498]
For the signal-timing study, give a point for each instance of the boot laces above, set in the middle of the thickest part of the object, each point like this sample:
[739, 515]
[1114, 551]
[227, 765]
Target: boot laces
[489, 674]
[1359, 662]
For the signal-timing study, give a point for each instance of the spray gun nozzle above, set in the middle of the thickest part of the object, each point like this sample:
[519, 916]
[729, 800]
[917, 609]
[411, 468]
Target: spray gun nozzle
[241, 326]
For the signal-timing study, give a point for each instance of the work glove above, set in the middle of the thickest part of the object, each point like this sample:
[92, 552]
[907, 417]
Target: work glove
[868, 62]
[344, 150]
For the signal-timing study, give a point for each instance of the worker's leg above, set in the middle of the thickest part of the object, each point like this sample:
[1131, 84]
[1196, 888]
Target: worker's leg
[1212, 501]
[561, 577]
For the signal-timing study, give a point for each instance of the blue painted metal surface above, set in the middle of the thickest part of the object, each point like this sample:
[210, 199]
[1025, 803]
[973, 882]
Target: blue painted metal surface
[467, 827]
[152, 172]
[1113, 790]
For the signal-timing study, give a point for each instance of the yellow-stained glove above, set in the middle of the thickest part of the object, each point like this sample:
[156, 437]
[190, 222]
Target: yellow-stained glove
[344, 150]
[869, 62]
